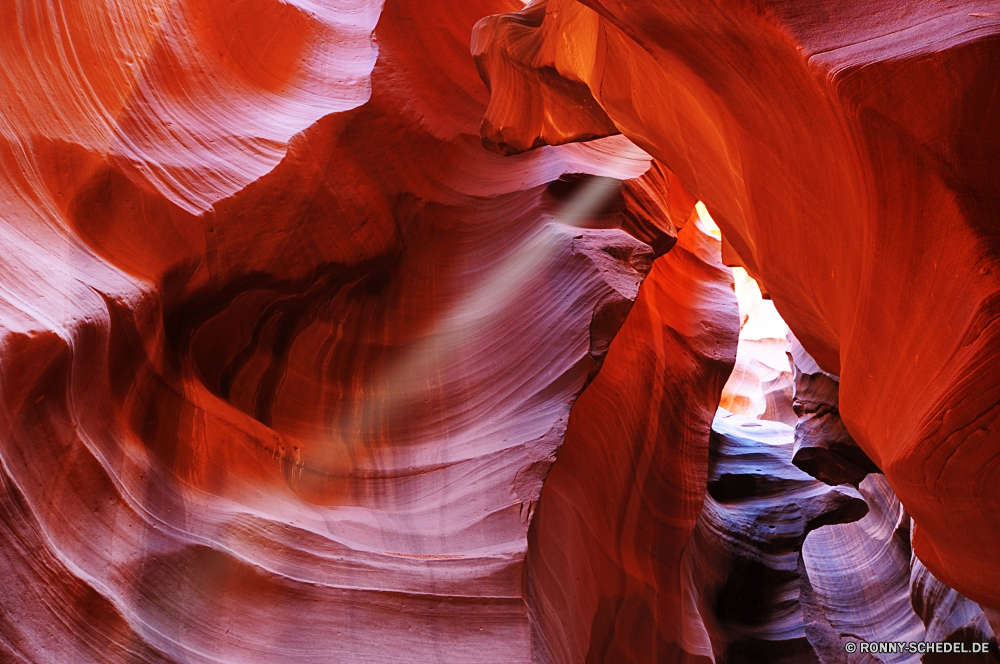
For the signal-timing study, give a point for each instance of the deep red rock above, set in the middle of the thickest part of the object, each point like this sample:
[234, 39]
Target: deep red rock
[604, 581]
[848, 152]
[282, 382]
[293, 369]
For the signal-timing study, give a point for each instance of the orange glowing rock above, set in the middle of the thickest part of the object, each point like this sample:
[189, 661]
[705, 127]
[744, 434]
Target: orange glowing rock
[293, 369]
[848, 152]
[285, 355]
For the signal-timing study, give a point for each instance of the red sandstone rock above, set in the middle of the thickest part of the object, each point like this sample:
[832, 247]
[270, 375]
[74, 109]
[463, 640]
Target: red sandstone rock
[604, 581]
[282, 367]
[286, 356]
[848, 151]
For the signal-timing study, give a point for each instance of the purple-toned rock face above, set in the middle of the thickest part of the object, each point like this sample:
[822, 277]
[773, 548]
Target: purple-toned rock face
[363, 331]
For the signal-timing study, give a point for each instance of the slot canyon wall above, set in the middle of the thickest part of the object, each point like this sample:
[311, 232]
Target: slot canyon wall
[849, 153]
[367, 331]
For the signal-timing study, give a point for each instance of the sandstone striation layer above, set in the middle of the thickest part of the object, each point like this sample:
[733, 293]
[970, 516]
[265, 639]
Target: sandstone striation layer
[849, 153]
[746, 552]
[367, 331]
[603, 574]
[284, 353]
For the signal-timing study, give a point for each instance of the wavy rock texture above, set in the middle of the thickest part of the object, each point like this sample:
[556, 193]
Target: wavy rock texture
[823, 445]
[860, 575]
[193, 100]
[866, 583]
[745, 554]
[849, 153]
[947, 615]
[284, 353]
[604, 579]
[293, 369]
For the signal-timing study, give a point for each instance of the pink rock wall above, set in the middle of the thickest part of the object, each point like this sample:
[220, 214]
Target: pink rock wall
[848, 152]
[293, 369]
[285, 354]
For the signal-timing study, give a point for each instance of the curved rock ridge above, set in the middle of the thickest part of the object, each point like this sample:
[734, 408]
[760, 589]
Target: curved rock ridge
[290, 395]
[823, 446]
[860, 575]
[849, 153]
[293, 369]
[851, 582]
[745, 556]
[194, 99]
[947, 615]
[560, 109]
[867, 583]
[604, 581]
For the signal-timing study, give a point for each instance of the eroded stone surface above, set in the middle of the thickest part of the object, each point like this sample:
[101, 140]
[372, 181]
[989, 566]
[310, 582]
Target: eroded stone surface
[287, 358]
[284, 353]
[848, 152]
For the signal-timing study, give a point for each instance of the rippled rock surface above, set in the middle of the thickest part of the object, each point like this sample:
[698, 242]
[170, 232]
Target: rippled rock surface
[849, 153]
[366, 331]
[623, 497]
[285, 355]
[746, 553]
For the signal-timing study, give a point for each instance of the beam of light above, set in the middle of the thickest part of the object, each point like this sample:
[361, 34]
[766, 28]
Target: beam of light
[418, 374]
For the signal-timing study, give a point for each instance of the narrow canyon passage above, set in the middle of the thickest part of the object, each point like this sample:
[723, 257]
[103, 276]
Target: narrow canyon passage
[792, 543]
[473, 332]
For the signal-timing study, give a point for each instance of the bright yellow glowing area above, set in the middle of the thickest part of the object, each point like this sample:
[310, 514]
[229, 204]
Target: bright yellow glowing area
[706, 221]
[761, 383]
